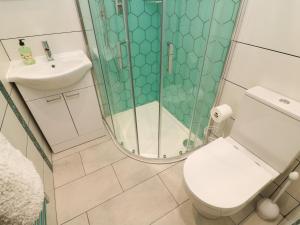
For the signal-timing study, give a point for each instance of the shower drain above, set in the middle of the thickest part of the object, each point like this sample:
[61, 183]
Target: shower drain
[188, 143]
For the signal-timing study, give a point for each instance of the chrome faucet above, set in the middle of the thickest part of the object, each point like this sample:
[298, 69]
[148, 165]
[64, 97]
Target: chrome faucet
[47, 50]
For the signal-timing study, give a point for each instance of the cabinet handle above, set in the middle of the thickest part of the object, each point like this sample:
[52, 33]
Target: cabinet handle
[72, 95]
[53, 99]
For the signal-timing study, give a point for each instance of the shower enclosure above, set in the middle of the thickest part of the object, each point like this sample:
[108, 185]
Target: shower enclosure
[157, 68]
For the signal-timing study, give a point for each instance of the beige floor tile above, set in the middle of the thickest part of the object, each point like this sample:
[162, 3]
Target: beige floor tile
[186, 214]
[140, 205]
[81, 195]
[100, 156]
[79, 148]
[281, 178]
[285, 222]
[246, 211]
[293, 216]
[67, 169]
[80, 220]
[131, 172]
[173, 179]
[286, 203]
[254, 219]
[294, 188]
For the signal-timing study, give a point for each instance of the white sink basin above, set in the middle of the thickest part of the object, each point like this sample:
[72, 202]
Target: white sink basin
[65, 70]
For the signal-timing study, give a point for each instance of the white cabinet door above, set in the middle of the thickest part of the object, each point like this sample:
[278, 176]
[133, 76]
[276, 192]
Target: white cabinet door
[54, 119]
[84, 109]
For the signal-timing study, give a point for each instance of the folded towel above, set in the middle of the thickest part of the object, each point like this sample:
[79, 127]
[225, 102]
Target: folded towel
[21, 188]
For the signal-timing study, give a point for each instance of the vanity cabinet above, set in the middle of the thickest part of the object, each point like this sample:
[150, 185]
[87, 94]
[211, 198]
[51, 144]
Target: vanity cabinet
[84, 109]
[67, 117]
[54, 119]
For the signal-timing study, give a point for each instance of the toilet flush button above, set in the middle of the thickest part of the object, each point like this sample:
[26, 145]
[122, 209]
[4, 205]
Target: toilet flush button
[284, 101]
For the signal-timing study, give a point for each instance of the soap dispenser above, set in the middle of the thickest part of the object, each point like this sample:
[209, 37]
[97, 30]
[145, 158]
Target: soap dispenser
[25, 53]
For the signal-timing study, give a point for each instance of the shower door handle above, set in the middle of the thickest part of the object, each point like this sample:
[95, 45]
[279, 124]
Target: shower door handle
[120, 58]
[170, 57]
[119, 7]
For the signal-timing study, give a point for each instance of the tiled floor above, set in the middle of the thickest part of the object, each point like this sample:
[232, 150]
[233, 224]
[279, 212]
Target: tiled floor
[96, 184]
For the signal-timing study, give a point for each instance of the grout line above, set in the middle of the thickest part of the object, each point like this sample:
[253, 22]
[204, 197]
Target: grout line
[264, 48]
[82, 163]
[70, 149]
[5, 111]
[123, 191]
[167, 213]
[236, 84]
[78, 178]
[73, 218]
[1, 122]
[118, 194]
[88, 218]
[5, 50]
[39, 35]
[168, 189]
[117, 178]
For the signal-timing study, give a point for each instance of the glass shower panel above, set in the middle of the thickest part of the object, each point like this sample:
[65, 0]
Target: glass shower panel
[112, 46]
[97, 69]
[185, 35]
[223, 22]
[144, 35]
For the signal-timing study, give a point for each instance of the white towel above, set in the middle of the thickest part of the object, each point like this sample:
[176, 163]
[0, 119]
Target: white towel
[21, 188]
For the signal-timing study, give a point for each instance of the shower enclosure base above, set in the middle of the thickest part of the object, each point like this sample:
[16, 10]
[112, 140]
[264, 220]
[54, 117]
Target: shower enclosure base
[173, 132]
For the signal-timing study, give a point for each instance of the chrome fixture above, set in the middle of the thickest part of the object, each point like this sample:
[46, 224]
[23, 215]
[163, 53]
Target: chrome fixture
[120, 57]
[47, 50]
[170, 57]
[119, 7]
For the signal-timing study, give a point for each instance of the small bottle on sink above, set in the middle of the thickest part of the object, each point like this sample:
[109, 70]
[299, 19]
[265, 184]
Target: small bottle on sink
[25, 53]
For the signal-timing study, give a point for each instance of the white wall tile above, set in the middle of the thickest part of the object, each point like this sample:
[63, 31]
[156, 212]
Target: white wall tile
[251, 66]
[36, 17]
[13, 131]
[4, 64]
[49, 190]
[58, 43]
[3, 105]
[20, 104]
[232, 95]
[272, 24]
[40, 138]
[35, 157]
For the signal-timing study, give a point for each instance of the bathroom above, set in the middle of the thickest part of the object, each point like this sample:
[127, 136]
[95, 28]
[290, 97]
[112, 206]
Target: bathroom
[134, 112]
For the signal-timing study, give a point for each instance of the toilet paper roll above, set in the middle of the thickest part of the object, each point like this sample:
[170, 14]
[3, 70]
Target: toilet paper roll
[221, 113]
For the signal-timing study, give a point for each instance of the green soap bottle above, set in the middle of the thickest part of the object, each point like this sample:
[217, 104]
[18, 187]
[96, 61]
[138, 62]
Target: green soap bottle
[25, 53]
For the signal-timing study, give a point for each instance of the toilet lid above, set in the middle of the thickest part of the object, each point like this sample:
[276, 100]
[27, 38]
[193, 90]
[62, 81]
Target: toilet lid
[223, 176]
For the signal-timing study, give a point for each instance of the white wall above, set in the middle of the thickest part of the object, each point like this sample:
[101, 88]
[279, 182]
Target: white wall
[57, 22]
[266, 52]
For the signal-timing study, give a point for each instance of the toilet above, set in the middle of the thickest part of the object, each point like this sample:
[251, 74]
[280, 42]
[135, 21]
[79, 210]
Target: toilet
[226, 174]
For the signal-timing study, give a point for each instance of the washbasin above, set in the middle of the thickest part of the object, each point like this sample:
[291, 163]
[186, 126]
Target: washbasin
[66, 69]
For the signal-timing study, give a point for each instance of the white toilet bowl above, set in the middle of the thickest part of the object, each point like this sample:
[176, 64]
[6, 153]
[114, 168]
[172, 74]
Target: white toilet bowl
[222, 177]
[225, 175]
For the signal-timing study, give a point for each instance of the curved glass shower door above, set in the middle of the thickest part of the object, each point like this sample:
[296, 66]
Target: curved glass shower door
[111, 50]
[159, 64]
[196, 39]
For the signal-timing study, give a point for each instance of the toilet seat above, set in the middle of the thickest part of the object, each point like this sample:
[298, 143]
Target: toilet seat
[224, 175]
